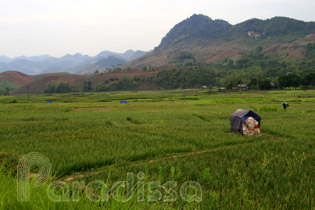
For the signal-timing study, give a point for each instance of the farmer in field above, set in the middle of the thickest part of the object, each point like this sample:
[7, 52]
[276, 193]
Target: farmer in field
[285, 105]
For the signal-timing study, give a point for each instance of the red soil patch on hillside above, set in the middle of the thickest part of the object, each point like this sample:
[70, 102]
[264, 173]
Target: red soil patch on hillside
[223, 54]
[297, 54]
[100, 78]
[40, 82]
[310, 36]
[273, 49]
[16, 77]
[157, 59]
[69, 78]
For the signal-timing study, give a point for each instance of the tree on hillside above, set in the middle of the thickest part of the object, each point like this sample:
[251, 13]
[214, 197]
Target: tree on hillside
[253, 83]
[58, 88]
[87, 86]
[258, 49]
[291, 80]
[51, 88]
[5, 91]
[264, 84]
[96, 72]
[310, 50]
[63, 88]
[309, 80]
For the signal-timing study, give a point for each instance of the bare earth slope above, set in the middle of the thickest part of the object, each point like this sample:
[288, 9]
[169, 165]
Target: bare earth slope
[39, 83]
[16, 77]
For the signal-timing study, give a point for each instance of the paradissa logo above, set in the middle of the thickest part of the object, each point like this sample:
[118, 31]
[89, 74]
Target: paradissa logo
[98, 191]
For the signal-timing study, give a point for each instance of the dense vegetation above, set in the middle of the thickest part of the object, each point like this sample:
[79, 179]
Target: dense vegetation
[87, 86]
[58, 88]
[185, 78]
[310, 50]
[169, 136]
[202, 30]
[185, 58]
[255, 69]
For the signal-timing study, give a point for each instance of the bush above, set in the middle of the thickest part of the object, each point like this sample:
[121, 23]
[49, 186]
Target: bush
[105, 100]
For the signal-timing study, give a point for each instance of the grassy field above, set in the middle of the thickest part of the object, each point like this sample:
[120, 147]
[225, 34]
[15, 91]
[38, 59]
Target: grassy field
[180, 135]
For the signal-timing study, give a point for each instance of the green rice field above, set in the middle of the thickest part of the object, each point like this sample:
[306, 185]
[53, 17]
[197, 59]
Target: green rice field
[179, 136]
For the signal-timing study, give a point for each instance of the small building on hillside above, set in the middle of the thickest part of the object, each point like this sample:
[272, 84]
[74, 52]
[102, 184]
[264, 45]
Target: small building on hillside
[240, 87]
[222, 89]
[274, 85]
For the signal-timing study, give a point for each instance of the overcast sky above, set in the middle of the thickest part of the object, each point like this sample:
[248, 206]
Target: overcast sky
[58, 27]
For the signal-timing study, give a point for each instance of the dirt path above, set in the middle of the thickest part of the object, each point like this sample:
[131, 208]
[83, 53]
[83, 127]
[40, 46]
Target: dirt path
[143, 162]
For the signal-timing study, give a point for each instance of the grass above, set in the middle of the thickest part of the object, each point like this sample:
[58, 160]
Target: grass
[162, 134]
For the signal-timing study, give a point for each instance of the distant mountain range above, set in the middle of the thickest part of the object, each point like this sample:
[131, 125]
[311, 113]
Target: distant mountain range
[209, 40]
[195, 42]
[75, 64]
[204, 39]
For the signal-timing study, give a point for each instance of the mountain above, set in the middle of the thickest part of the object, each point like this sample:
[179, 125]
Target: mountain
[108, 59]
[254, 49]
[25, 66]
[103, 64]
[209, 40]
[5, 59]
[34, 58]
[198, 29]
[69, 63]
[44, 64]
[128, 55]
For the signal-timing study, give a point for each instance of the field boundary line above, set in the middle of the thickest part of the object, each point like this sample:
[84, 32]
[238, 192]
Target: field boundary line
[183, 155]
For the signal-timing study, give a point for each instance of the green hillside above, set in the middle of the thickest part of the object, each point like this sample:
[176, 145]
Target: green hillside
[212, 40]
[6, 86]
[200, 30]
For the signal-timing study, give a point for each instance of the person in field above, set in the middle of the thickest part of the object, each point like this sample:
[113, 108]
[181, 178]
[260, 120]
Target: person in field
[285, 105]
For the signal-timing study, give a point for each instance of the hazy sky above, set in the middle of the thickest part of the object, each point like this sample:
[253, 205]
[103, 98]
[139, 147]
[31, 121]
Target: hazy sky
[57, 27]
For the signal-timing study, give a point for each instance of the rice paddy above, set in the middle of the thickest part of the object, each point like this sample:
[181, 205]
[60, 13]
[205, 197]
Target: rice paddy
[179, 135]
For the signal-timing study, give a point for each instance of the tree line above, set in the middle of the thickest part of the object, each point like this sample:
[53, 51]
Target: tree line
[61, 87]
[255, 69]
